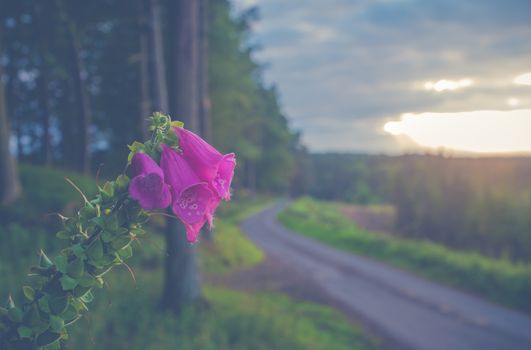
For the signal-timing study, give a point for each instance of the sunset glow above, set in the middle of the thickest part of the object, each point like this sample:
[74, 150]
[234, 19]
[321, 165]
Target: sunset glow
[443, 85]
[475, 131]
[523, 79]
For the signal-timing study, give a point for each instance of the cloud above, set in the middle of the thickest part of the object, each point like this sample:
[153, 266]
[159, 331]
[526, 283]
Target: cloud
[523, 79]
[339, 62]
[445, 85]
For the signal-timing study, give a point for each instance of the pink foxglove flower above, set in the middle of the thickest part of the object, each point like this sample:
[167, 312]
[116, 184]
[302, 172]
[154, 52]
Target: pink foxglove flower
[193, 201]
[207, 162]
[148, 186]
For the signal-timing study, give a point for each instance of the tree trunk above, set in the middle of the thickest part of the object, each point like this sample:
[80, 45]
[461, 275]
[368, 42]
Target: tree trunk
[185, 55]
[10, 96]
[83, 106]
[204, 99]
[160, 87]
[9, 183]
[42, 87]
[143, 70]
[81, 98]
[182, 280]
[42, 82]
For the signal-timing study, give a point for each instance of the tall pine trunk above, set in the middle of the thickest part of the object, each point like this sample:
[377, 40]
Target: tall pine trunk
[143, 69]
[44, 106]
[9, 183]
[42, 26]
[204, 98]
[9, 95]
[182, 280]
[81, 97]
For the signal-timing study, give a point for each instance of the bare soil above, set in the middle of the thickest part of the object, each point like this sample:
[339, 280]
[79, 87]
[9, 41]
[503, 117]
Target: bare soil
[371, 218]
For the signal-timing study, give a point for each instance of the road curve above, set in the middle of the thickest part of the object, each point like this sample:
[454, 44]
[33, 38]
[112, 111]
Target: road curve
[414, 313]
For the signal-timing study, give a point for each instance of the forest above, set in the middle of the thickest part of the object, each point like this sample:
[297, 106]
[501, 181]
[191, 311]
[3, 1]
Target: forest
[81, 79]
[479, 204]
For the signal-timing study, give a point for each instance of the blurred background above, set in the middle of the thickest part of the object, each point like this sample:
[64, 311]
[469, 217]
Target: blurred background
[401, 128]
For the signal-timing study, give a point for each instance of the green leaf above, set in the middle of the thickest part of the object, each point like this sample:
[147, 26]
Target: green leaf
[15, 314]
[122, 182]
[44, 261]
[88, 211]
[56, 323]
[107, 236]
[24, 332]
[99, 220]
[108, 189]
[68, 283]
[138, 231]
[87, 297]
[95, 250]
[10, 303]
[63, 234]
[99, 282]
[78, 251]
[61, 263]
[100, 272]
[32, 316]
[79, 305]
[122, 231]
[120, 242]
[69, 314]
[86, 281]
[43, 304]
[48, 338]
[3, 311]
[58, 304]
[40, 327]
[54, 346]
[135, 146]
[29, 292]
[143, 217]
[80, 291]
[112, 224]
[177, 124]
[39, 271]
[76, 268]
[125, 253]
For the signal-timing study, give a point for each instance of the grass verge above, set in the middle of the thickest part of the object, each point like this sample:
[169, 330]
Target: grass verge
[131, 318]
[498, 280]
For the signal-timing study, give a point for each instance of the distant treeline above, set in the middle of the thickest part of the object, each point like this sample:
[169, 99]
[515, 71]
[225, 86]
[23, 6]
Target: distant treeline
[481, 204]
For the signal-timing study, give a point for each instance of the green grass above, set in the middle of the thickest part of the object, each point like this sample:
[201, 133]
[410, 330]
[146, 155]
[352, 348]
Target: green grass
[498, 280]
[45, 191]
[129, 318]
[230, 249]
[27, 226]
[126, 315]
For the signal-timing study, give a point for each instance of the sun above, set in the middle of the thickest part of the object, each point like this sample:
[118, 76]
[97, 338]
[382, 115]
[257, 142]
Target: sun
[486, 131]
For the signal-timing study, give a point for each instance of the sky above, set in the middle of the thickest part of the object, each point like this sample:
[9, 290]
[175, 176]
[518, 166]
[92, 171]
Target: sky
[349, 72]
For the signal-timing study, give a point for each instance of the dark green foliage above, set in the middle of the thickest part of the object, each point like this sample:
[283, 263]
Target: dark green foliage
[496, 279]
[61, 289]
[479, 204]
[246, 116]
